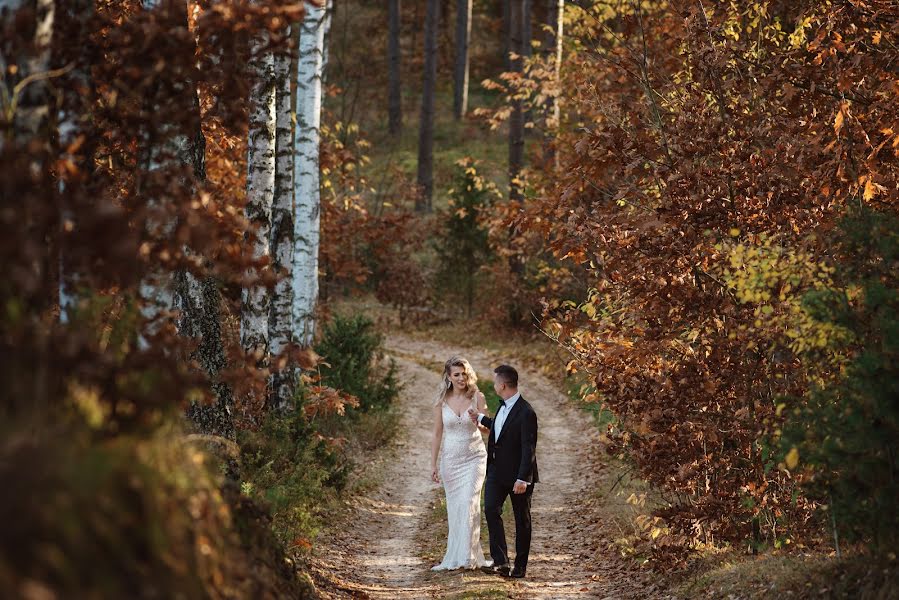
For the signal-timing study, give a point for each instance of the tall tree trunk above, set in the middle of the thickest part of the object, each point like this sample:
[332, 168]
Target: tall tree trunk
[526, 30]
[426, 127]
[463, 38]
[553, 47]
[395, 89]
[527, 50]
[307, 193]
[516, 120]
[254, 331]
[516, 149]
[507, 33]
[165, 147]
[281, 316]
[199, 304]
[326, 36]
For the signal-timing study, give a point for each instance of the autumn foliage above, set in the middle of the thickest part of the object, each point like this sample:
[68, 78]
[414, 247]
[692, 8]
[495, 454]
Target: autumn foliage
[707, 153]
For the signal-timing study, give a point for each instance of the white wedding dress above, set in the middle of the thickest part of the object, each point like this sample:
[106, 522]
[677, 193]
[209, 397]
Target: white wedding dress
[463, 466]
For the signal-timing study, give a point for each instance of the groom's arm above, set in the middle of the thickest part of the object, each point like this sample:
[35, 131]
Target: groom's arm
[485, 421]
[528, 447]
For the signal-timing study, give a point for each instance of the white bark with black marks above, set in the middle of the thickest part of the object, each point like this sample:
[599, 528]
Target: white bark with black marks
[552, 46]
[254, 317]
[307, 193]
[165, 147]
[281, 315]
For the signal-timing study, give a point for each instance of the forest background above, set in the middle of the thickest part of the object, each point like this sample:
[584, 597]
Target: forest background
[693, 203]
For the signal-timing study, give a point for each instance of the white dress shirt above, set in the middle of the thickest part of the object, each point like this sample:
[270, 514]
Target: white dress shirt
[503, 412]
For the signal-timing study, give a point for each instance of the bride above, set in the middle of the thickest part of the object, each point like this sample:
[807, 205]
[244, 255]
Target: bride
[463, 463]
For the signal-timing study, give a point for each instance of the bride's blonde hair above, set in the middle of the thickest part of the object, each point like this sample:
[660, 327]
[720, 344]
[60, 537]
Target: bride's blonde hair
[446, 385]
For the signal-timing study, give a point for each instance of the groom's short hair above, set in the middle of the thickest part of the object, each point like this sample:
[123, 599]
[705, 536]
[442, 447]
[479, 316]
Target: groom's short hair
[508, 374]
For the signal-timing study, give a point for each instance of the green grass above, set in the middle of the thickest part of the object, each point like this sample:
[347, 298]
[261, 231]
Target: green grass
[577, 387]
[490, 395]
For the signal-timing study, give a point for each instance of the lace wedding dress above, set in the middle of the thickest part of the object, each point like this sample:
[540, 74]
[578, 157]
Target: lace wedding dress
[463, 466]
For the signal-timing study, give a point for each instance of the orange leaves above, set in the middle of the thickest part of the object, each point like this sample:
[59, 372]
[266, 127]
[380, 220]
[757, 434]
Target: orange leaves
[871, 189]
[766, 140]
[327, 400]
[302, 544]
[840, 118]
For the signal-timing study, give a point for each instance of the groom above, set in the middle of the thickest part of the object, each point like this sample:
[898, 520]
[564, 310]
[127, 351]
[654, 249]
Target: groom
[511, 469]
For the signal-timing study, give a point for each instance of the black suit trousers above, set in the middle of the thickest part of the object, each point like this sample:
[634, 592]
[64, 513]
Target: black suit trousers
[495, 494]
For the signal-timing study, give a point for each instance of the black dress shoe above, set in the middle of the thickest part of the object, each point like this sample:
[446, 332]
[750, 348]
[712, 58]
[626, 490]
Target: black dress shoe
[517, 573]
[497, 570]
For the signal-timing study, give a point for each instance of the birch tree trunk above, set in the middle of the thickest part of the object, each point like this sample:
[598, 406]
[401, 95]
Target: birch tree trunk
[553, 47]
[281, 317]
[254, 331]
[426, 127]
[395, 90]
[307, 193]
[463, 38]
[165, 147]
[516, 120]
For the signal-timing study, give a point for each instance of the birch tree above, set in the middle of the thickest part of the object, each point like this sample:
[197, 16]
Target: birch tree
[175, 144]
[460, 75]
[166, 148]
[552, 46]
[516, 119]
[281, 321]
[394, 78]
[254, 318]
[426, 126]
[307, 194]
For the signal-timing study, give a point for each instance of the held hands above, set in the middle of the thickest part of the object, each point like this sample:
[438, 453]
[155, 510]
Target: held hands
[473, 415]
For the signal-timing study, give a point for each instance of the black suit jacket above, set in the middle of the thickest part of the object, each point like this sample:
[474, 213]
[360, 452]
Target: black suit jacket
[514, 455]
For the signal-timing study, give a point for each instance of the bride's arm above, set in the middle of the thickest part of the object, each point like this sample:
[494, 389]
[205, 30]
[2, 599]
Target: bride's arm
[435, 442]
[482, 409]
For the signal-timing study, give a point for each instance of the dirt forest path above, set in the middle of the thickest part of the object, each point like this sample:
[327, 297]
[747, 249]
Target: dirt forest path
[380, 550]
